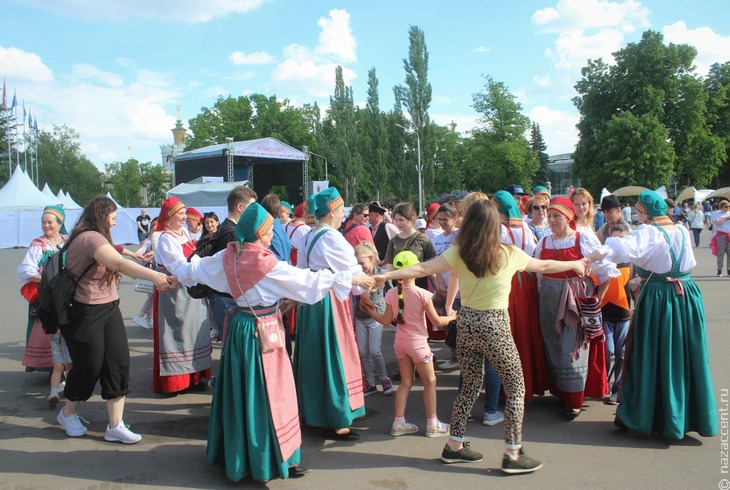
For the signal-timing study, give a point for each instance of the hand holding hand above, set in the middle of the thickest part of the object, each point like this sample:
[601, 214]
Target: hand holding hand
[161, 281]
[379, 281]
[364, 281]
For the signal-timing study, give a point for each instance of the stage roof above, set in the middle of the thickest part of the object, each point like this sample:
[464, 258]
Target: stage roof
[267, 148]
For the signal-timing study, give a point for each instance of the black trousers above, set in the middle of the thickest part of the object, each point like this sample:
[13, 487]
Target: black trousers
[97, 341]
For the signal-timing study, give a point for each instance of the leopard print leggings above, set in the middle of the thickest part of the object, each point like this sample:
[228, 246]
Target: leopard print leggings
[488, 333]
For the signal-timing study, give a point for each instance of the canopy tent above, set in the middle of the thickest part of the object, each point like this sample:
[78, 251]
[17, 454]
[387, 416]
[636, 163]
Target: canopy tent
[604, 192]
[723, 192]
[20, 193]
[631, 190]
[71, 203]
[695, 194]
[662, 191]
[48, 192]
[66, 200]
[204, 194]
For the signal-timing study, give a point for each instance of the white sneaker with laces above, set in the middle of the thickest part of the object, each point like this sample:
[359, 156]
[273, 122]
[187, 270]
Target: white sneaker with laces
[141, 322]
[491, 419]
[71, 424]
[121, 433]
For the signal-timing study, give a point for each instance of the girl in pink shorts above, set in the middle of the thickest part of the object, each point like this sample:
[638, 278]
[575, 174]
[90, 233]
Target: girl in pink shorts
[409, 305]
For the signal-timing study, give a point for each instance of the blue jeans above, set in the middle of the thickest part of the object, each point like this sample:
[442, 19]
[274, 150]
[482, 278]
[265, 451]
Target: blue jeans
[369, 334]
[615, 344]
[217, 307]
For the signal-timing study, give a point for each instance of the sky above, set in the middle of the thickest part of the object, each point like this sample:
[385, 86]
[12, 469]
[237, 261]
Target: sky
[116, 70]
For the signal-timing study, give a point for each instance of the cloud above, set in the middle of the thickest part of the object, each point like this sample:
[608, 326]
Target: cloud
[191, 11]
[19, 65]
[482, 49]
[589, 29]
[542, 80]
[312, 70]
[557, 128]
[256, 58]
[84, 72]
[442, 99]
[336, 40]
[711, 47]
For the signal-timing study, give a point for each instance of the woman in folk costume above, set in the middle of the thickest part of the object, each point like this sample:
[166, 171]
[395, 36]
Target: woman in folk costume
[667, 384]
[523, 308]
[326, 359]
[43, 352]
[181, 332]
[254, 424]
[577, 367]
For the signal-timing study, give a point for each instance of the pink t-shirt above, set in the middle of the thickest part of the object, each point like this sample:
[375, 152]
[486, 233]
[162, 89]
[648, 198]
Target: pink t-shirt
[414, 311]
[93, 288]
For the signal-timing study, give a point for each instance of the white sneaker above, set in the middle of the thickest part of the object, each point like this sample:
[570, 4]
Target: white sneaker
[491, 419]
[121, 433]
[449, 365]
[141, 322]
[612, 400]
[71, 424]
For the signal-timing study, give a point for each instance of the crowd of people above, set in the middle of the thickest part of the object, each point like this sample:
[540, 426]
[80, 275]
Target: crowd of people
[519, 277]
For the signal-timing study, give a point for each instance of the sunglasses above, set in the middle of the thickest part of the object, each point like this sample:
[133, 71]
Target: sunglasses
[365, 214]
[538, 208]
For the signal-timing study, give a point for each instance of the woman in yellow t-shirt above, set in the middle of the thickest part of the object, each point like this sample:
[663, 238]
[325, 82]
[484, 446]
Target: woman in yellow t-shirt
[485, 268]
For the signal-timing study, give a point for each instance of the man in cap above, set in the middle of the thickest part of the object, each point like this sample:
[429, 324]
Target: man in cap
[611, 208]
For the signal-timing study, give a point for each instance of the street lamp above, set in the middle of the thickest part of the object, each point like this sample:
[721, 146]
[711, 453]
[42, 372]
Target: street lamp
[419, 168]
[326, 175]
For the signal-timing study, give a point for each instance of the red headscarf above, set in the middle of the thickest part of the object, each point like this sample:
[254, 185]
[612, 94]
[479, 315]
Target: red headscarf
[171, 206]
[431, 212]
[564, 206]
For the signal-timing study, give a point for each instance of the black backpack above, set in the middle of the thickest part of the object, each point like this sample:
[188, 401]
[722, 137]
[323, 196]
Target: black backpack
[56, 291]
[204, 248]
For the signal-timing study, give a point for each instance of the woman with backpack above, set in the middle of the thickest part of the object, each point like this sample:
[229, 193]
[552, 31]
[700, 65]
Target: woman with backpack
[96, 336]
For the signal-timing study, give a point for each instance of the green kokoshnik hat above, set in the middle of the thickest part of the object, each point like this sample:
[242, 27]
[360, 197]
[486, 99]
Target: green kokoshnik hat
[254, 223]
[651, 204]
[327, 201]
[59, 213]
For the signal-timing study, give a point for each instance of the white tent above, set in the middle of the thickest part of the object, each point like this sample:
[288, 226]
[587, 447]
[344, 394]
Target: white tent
[604, 192]
[205, 194]
[71, 204]
[61, 196]
[48, 192]
[125, 231]
[20, 193]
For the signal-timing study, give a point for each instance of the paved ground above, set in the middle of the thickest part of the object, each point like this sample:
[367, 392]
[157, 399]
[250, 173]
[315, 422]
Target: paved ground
[585, 453]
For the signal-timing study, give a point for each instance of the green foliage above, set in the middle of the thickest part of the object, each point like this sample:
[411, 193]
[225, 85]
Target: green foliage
[156, 181]
[126, 182]
[651, 83]
[340, 131]
[499, 154]
[62, 166]
[538, 146]
[717, 85]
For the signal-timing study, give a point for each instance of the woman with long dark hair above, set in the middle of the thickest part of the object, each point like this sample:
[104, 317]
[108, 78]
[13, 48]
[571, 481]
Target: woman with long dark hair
[96, 337]
[485, 268]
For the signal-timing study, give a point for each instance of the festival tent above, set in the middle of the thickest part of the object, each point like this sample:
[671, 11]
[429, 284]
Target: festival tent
[604, 192]
[662, 191]
[723, 192]
[71, 203]
[20, 193]
[48, 192]
[695, 194]
[205, 194]
[631, 190]
[125, 231]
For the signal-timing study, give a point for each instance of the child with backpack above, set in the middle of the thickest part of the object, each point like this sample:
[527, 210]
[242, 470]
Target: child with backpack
[368, 331]
[410, 305]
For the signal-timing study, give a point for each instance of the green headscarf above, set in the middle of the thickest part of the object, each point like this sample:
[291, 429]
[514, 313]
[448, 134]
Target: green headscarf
[59, 213]
[254, 223]
[652, 204]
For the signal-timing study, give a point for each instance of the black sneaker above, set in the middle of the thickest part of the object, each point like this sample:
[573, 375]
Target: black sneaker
[463, 455]
[719, 272]
[523, 464]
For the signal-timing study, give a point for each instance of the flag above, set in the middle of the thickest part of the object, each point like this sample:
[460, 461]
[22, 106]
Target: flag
[5, 98]
[24, 113]
[30, 119]
[35, 126]
[14, 104]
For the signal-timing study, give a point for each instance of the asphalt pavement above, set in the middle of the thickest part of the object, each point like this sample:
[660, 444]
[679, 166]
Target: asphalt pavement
[589, 452]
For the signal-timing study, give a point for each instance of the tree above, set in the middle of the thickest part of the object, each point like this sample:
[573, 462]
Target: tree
[156, 181]
[63, 166]
[373, 140]
[499, 154]
[657, 81]
[415, 97]
[537, 144]
[340, 126]
[717, 85]
[126, 182]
